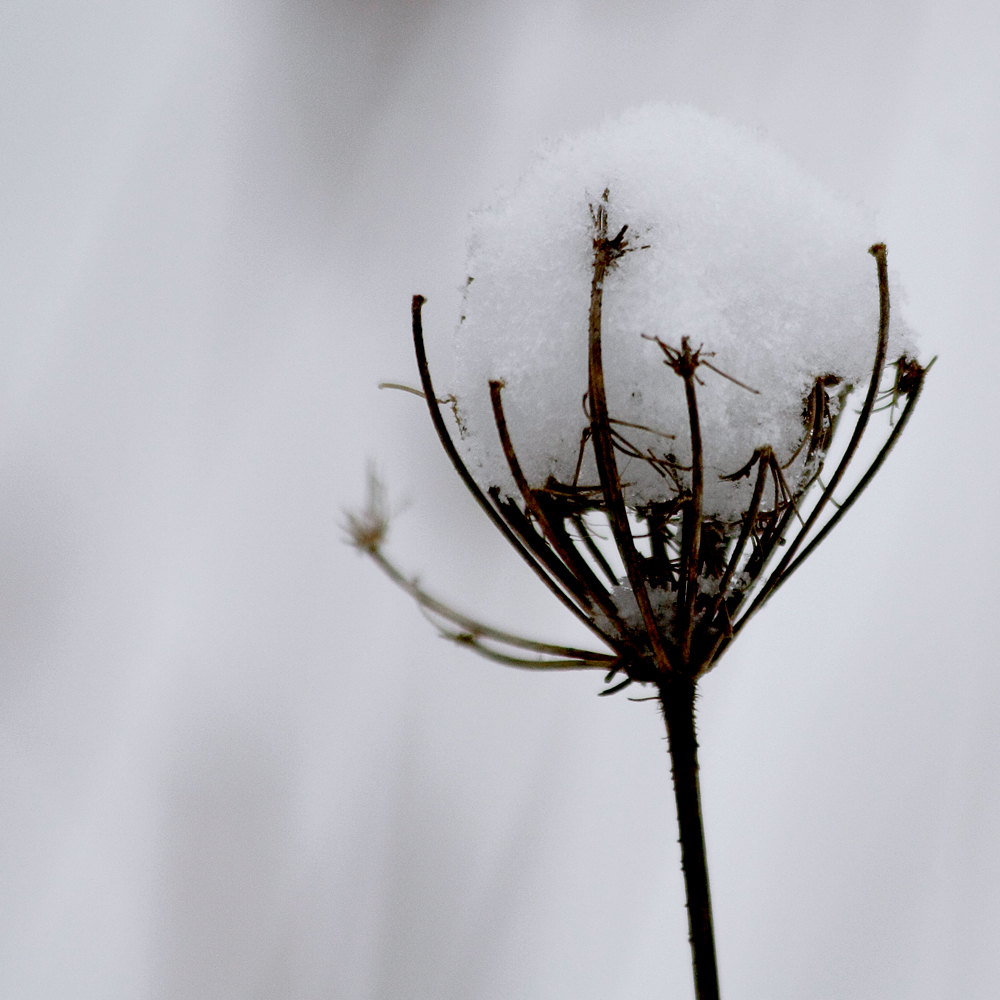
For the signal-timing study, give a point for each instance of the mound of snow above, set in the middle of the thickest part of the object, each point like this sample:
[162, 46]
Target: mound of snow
[752, 260]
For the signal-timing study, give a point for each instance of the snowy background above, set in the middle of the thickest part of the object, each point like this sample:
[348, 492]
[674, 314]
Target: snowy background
[234, 761]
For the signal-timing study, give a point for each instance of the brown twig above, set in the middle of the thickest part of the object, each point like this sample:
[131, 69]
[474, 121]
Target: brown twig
[594, 549]
[691, 542]
[746, 529]
[471, 485]
[606, 252]
[473, 642]
[878, 252]
[536, 543]
[883, 454]
[470, 626]
[588, 586]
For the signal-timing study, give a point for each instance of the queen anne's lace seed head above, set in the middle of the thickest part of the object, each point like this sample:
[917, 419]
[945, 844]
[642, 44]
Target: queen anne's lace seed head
[665, 315]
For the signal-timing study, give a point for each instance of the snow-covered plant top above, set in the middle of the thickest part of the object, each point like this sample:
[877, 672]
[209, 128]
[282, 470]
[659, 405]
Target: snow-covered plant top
[665, 315]
[732, 246]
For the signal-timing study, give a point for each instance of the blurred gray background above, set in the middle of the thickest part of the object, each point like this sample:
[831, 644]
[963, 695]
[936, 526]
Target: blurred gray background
[234, 761]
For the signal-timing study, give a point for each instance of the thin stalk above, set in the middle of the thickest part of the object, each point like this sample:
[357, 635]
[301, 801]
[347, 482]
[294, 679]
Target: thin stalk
[587, 586]
[520, 662]
[749, 521]
[605, 252]
[691, 543]
[477, 629]
[677, 702]
[594, 549]
[471, 484]
[519, 523]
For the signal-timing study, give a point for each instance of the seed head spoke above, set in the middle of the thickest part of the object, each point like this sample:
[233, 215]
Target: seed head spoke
[465, 476]
[687, 362]
[473, 627]
[878, 252]
[605, 255]
[746, 529]
[586, 585]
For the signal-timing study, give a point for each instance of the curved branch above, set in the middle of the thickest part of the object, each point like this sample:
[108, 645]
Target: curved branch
[586, 584]
[475, 629]
[764, 456]
[863, 482]
[878, 252]
[691, 527]
[522, 663]
[471, 484]
[605, 251]
[594, 549]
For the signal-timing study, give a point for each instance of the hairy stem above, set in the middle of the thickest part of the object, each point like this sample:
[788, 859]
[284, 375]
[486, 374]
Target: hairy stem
[677, 701]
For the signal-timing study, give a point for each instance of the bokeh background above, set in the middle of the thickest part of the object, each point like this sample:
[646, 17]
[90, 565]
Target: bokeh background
[234, 761]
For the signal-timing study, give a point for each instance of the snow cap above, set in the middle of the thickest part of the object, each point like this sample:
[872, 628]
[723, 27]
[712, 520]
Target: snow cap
[735, 248]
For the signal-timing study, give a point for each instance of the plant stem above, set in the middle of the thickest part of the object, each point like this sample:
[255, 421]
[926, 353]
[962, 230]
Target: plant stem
[677, 701]
[606, 252]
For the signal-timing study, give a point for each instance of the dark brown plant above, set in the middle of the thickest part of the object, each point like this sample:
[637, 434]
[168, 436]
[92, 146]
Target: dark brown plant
[701, 579]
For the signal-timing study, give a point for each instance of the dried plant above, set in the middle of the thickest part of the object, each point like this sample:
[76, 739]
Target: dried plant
[700, 579]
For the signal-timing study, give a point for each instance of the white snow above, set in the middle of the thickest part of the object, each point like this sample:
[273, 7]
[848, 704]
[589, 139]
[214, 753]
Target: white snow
[748, 257]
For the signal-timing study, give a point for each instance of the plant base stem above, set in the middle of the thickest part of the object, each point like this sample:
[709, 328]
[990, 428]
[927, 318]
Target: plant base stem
[677, 701]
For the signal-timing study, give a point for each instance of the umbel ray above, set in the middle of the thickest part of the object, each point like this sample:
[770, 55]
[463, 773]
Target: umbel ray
[695, 580]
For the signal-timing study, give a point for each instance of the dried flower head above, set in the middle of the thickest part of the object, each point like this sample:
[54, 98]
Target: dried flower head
[647, 419]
